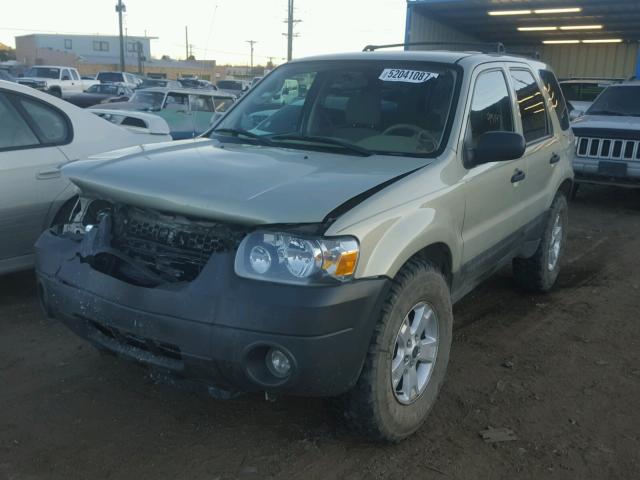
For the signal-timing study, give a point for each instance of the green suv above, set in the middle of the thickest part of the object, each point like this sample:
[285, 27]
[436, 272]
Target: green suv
[315, 247]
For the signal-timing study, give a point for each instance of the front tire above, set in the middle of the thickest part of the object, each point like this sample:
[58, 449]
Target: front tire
[540, 272]
[407, 359]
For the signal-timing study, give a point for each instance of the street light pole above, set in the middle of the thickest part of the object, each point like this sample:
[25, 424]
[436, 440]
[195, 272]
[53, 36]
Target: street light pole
[120, 7]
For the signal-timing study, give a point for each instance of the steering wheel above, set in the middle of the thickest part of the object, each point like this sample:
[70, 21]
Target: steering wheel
[420, 134]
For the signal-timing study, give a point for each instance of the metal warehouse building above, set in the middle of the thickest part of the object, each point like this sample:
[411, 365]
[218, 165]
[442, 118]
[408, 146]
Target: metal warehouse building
[578, 38]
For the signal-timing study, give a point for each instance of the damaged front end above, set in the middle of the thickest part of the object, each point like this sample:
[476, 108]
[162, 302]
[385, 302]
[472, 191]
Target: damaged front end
[145, 247]
[162, 289]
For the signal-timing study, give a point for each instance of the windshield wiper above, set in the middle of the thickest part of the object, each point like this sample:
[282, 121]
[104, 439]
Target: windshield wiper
[236, 132]
[323, 140]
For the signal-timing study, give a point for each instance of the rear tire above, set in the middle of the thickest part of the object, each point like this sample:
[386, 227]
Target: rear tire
[539, 272]
[398, 386]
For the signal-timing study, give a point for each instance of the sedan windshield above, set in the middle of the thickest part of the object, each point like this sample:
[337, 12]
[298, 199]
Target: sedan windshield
[43, 72]
[388, 107]
[617, 101]
[229, 85]
[106, 77]
[152, 100]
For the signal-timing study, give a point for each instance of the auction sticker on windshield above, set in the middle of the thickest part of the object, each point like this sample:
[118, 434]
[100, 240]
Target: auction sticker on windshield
[402, 75]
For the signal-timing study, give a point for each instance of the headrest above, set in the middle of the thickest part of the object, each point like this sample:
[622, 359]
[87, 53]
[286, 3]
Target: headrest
[363, 109]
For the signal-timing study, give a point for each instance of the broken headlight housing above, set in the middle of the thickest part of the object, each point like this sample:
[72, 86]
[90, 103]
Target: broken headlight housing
[289, 258]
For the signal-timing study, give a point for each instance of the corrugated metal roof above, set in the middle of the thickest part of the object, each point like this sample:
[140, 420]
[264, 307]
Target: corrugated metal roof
[620, 18]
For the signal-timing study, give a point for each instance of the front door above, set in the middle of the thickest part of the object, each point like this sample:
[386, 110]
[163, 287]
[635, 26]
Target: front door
[494, 191]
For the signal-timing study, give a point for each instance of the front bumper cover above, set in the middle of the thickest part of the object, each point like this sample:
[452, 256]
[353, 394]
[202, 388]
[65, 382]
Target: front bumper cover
[587, 170]
[216, 329]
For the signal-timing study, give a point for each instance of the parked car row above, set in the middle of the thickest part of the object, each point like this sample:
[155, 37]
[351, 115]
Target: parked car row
[189, 112]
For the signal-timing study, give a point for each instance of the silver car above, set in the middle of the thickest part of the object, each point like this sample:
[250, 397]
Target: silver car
[38, 135]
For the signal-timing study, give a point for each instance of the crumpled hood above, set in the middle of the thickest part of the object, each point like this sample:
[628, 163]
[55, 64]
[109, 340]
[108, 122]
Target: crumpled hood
[610, 122]
[242, 184]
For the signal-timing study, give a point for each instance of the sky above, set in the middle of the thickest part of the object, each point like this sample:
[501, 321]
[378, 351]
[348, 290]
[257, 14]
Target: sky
[218, 29]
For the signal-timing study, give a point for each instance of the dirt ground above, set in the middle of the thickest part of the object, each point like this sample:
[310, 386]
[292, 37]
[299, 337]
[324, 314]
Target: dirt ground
[562, 371]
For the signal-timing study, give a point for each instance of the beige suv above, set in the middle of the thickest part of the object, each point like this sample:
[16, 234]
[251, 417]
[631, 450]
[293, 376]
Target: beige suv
[316, 247]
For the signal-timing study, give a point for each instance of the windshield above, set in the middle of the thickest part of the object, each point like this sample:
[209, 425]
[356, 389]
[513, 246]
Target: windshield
[43, 72]
[581, 92]
[103, 88]
[153, 83]
[388, 107]
[229, 85]
[105, 77]
[620, 101]
[152, 99]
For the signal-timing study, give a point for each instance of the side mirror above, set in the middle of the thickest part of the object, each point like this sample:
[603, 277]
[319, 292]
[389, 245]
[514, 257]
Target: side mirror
[66, 77]
[285, 91]
[499, 147]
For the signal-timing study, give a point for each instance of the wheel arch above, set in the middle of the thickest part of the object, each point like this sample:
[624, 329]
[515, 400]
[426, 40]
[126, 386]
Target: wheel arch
[566, 187]
[439, 254]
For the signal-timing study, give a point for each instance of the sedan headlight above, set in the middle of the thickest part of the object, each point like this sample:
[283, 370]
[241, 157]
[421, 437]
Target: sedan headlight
[288, 258]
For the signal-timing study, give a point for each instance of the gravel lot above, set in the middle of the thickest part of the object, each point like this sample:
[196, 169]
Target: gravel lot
[562, 371]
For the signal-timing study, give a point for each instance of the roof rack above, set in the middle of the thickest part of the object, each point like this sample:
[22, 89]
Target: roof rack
[496, 47]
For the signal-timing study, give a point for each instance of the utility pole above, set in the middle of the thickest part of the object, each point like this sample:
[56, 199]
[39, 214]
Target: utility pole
[252, 43]
[290, 21]
[186, 41]
[120, 7]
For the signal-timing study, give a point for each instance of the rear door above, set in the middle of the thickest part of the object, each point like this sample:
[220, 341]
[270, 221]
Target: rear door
[544, 149]
[494, 191]
[30, 179]
[202, 110]
[177, 114]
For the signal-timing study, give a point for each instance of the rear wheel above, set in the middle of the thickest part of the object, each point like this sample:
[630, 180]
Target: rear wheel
[407, 359]
[539, 272]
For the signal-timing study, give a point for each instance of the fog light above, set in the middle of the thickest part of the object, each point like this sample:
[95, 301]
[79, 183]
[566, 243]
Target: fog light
[278, 363]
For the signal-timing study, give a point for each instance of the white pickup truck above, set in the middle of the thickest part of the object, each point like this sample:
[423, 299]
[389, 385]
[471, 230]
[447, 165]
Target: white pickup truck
[57, 80]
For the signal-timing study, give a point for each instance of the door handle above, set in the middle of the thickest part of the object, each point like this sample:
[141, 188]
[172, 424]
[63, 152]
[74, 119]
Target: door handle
[48, 173]
[517, 176]
[555, 158]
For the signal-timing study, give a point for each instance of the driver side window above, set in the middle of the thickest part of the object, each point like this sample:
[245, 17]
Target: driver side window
[490, 108]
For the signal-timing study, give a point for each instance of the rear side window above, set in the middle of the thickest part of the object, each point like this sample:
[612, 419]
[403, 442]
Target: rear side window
[533, 110]
[51, 126]
[491, 106]
[14, 130]
[557, 98]
[74, 75]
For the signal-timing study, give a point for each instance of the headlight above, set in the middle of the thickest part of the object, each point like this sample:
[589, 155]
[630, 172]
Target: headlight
[289, 258]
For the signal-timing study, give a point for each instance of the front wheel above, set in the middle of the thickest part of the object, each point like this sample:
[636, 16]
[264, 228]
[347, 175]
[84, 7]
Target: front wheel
[407, 359]
[540, 272]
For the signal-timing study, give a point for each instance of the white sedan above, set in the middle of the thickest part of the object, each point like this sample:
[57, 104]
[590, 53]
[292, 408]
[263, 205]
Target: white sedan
[38, 134]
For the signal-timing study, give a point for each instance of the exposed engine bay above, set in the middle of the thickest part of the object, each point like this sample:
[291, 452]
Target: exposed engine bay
[146, 247]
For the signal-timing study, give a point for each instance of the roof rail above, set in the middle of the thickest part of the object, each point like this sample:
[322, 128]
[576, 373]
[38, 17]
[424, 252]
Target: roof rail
[496, 47]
